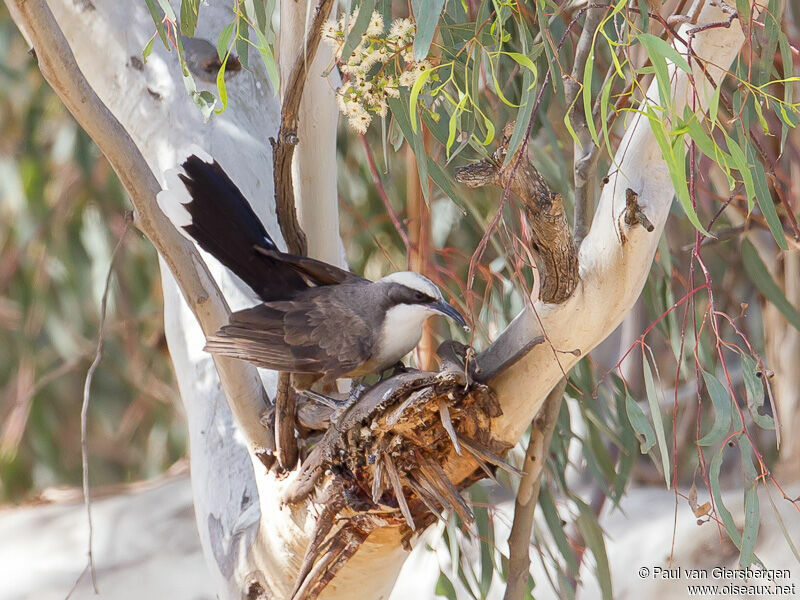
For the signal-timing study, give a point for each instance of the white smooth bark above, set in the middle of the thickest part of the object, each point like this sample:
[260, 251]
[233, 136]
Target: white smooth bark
[314, 162]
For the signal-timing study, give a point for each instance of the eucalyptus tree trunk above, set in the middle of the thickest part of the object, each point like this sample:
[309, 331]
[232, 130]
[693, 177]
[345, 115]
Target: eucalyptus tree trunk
[256, 524]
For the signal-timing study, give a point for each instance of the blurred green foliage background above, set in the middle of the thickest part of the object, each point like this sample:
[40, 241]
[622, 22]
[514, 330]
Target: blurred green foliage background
[62, 211]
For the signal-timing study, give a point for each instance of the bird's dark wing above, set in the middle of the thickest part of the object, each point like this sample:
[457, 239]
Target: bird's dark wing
[314, 271]
[301, 336]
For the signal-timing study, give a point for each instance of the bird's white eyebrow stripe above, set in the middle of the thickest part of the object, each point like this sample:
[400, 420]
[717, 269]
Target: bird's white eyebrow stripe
[415, 281]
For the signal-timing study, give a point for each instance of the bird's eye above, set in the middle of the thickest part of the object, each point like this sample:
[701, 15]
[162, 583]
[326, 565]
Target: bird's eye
[420, 297]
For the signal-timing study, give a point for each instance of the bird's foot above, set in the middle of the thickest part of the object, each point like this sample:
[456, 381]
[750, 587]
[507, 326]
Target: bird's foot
[357, 387]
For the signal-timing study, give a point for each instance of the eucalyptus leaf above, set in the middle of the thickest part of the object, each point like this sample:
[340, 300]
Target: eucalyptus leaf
[759, 275]
[360, 25]
[426, 14]
[722, 401]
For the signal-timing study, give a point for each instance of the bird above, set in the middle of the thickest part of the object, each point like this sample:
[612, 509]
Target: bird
[316, 321]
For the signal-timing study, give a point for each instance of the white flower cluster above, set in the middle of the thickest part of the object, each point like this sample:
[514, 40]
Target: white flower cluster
[379, 66]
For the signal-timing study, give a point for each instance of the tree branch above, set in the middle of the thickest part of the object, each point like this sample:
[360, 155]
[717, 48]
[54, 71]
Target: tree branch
[283, 148]
[519, 539]
[240, 381]
[584, 150]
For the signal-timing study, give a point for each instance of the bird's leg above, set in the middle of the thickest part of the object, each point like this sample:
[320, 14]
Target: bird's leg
[396, 369]
[399, 367]
[331, 403]
[357, 387]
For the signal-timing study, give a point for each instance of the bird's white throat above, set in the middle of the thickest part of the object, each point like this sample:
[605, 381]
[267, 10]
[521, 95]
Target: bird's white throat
[401, 332]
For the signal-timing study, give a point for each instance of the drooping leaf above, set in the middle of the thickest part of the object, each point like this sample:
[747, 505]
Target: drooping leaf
[157, 20]
[641, 425]
[658, 423]
[593, 535]
[721, 400]
[426, 14]
[751, 523]
[656, 46]
[754, 389]
[784, 530]
[224, 40]
[716, 493]
[189, 12]
[360, 25]
[764, 199]
[759, 275]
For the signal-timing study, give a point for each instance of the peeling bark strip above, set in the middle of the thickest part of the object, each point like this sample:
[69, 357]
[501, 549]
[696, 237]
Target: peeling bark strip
[634, 215]
[395, 458]
[556, 256]
[283, 148]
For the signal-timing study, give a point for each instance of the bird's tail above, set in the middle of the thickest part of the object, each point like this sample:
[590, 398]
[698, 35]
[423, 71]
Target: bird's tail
[218, 217]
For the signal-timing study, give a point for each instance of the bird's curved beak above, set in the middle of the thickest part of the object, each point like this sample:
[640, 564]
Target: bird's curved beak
[447, 310]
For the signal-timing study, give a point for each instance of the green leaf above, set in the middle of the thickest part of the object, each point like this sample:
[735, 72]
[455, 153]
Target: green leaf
[224, 39]
[627, 449]
[165, 6]
[223, 91]
[660, 67]
[414, 98]
[655, 411]
[486, 536]
[740, 164]
[764, 199]
[713, 106]
[759, 275]
[554, 524]
[401, 117]
[526, 103]
[593, 536]
[641, 425]
[157, 18]
[706, 145]
[444, 587]
[676, 161]
[148, 48]
[587, 97]
[716, 493]
[353, 38]
[426, 14]
[743, 10]
[754, 388]
[722, 407]
[751, 522]
[656, 46]
[269, 61]
[189, 12]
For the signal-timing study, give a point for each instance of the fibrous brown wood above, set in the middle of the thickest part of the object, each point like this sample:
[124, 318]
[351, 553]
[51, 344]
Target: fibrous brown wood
[556, 256]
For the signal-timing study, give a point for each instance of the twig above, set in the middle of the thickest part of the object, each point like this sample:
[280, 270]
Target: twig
[87, 386]
[286, 208]
[241, 382]
[519, 540]
[584, 157]
[283, 148]
[285, 404]
[376, 178]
